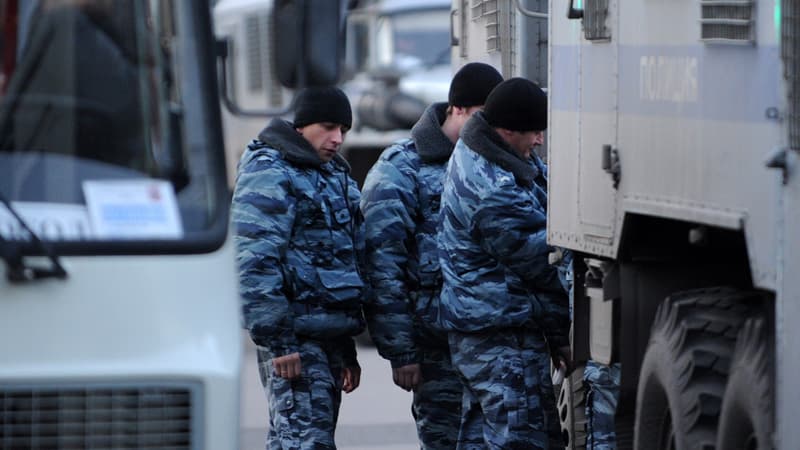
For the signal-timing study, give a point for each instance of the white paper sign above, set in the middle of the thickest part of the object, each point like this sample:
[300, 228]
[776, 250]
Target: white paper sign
[50, 221]
[132, 209]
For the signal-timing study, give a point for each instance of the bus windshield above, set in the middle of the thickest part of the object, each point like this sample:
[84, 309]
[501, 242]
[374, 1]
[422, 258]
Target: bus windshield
[98, 143]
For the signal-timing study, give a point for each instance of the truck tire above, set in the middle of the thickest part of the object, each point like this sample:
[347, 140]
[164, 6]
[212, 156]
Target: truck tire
[685, 368]
[746, 421]
[571, 404]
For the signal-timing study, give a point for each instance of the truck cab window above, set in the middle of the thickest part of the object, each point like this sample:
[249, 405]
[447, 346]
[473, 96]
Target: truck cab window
[405, 39]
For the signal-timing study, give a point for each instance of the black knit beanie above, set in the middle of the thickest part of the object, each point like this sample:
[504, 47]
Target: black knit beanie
[472, 83]
[322, 104]
[517, 104]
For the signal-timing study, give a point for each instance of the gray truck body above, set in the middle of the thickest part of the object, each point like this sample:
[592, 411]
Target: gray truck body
[673, 151]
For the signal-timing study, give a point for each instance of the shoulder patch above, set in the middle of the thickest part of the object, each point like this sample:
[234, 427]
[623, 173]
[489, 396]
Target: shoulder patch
[260, 158]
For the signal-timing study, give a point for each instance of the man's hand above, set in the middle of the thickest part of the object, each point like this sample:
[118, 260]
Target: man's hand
[351, 378]
[407, 377]
[562, 357]
[287, 366]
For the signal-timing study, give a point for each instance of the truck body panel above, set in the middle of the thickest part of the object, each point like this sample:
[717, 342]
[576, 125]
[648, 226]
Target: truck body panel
[673, 157]
[692, 135]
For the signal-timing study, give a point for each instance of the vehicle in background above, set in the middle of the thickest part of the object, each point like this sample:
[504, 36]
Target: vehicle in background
[119, 306]
[245, 25]
[674, 130]
[397, 62]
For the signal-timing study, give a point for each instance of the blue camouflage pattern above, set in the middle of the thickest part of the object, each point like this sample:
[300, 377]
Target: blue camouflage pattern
[303, 412]
[493, 245]
[300, 252]
[508, 400]
[436, 405]
[602, 382]
[300, 241]
[502, 302]
[564, 256]
[400, 203]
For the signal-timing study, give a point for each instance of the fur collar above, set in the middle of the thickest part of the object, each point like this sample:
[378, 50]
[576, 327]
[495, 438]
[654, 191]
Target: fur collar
[482, 139]
[432, 144]
[282, 136]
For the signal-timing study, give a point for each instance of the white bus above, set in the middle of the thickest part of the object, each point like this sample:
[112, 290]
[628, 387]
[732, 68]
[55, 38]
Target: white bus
[119, 311]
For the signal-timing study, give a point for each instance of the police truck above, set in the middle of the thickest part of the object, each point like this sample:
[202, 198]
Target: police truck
[673, 145]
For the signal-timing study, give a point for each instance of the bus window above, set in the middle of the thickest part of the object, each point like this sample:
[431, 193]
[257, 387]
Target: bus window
[97, 142]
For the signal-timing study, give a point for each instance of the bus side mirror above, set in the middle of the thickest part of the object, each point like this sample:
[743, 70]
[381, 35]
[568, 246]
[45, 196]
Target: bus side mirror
[308, 42]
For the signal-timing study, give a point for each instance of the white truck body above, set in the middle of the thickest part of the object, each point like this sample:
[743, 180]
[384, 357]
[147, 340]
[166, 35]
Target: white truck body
[377, 34]
[252, 85]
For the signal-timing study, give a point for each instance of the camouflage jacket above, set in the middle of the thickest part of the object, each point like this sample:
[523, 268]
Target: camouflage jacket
[300, 242]
[400, 201]
[493, 248]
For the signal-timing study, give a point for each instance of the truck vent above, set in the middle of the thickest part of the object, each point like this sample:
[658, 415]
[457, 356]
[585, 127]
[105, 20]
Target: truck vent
[790, 52]
[489, 10]
[727, 22]
[254, 55]
[259, 47]
[274, 88]
[102, 417]
[482, 8]
[594, 21]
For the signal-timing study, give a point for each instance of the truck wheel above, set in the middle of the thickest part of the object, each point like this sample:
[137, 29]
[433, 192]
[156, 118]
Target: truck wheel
[746, 422]
[571, 404]
[685, 367]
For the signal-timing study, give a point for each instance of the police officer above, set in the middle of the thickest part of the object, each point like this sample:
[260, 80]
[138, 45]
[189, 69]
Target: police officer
[401, 210]
[300, 248]
[504, 307]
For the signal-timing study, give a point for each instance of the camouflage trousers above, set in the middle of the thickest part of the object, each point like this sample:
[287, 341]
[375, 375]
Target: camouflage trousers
[508, 400]
[602, 382]
[437, 400]
[303, 412]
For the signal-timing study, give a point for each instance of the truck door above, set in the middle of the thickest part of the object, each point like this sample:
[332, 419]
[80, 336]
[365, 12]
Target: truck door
[584, 72]
[598, 120]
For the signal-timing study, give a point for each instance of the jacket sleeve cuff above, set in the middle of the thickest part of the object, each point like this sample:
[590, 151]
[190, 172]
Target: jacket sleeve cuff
[404, 359]
[349, 353]
[279, 347]
[557, 341]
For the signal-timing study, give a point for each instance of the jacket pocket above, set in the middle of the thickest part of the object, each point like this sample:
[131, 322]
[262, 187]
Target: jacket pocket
[340, 211]
[282, 398]
[429, 272]
[343, 288]
[515, 400]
